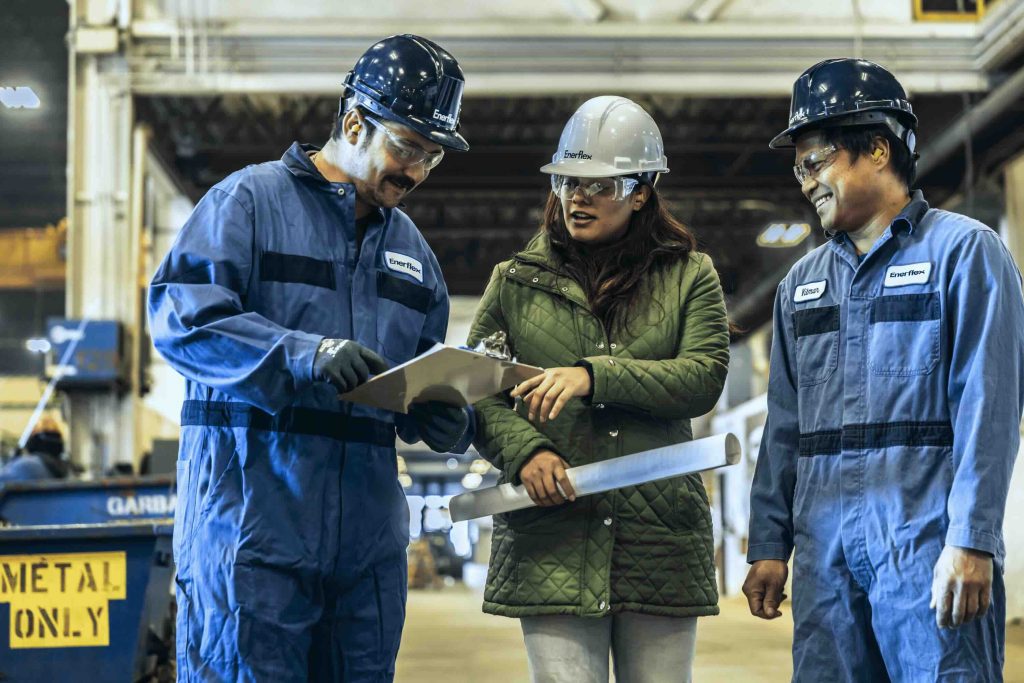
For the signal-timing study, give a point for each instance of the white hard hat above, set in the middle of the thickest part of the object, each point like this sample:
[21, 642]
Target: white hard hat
[609, 136]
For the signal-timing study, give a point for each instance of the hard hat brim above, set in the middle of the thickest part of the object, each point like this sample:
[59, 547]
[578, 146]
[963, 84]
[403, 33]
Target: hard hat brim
[784, 140]
[587, 168]
[451, 139]
[787, 138]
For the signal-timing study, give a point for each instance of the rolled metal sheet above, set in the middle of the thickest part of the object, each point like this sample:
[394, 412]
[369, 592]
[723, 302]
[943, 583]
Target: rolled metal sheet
[629, 470]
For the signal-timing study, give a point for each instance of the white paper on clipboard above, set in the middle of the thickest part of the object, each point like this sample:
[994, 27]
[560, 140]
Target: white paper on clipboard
[443, 373]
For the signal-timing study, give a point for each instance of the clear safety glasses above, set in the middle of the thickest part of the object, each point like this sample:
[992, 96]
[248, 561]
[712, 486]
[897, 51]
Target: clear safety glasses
[815, 162]
[406, 151]
[616, 189]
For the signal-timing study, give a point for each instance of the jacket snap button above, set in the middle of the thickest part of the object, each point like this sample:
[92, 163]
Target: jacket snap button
[601, 345]
[602, 605]
[511, 270]
[341, 191]
[607, 521]
[536, 279]
[600, 406]
[565, 289]
[613, 433]
[612, 345]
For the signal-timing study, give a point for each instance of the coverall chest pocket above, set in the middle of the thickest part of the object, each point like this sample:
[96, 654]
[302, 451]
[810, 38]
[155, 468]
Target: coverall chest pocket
[904, 336]
[402, 309]
[817, 343]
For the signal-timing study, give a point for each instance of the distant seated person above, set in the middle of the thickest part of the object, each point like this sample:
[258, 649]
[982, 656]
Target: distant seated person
[42, 457]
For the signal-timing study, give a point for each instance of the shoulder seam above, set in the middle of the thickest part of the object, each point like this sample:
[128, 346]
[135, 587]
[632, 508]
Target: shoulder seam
[234, 199]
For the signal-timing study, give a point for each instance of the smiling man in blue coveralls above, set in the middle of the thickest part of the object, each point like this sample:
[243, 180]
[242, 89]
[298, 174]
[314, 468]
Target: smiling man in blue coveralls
[894, 404]
[292, 282]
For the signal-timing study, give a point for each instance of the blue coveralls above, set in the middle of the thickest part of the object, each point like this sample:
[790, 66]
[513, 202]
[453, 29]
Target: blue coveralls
[27, 467]
[291, 526]
[894, 403]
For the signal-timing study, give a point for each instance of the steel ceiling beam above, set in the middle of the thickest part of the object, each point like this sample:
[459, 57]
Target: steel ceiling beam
[717, 58]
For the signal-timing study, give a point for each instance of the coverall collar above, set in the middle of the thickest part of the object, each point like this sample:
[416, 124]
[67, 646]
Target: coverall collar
[906, 220]
[297, 160]
[911, 214]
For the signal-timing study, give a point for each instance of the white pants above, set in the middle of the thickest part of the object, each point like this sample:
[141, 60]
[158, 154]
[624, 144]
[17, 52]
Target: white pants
[644, 648]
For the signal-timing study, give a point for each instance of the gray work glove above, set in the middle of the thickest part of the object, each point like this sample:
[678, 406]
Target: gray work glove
[441, 425]
[345, 364]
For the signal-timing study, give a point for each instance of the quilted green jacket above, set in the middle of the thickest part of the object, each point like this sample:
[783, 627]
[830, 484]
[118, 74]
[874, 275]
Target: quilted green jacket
[646, 548]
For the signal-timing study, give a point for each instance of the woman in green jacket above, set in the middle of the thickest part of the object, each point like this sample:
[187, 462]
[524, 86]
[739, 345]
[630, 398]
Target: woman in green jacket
[612, 298]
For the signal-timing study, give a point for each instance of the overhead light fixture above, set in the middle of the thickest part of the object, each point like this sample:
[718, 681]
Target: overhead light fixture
[782, 235]
[472, 480]
[480, 466]
[22, 97]
[38, 345]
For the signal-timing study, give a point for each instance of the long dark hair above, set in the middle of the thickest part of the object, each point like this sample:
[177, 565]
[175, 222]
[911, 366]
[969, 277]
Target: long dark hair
[615, 276]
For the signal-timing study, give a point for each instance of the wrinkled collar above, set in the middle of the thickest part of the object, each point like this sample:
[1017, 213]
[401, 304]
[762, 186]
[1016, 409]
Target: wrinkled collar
[906, 220]
[296, 159]
[911, 214]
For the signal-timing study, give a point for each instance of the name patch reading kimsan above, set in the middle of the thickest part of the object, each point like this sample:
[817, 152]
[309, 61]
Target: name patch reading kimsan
[810, 291]
[404, 264]
[910, 274]
[61, 600]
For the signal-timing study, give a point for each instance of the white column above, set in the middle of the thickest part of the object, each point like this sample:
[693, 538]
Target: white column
[102, 268]
[1012, 231]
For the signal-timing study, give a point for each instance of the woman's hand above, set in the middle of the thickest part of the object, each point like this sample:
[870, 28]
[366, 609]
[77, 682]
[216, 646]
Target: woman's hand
[543, 474]
[546, 394]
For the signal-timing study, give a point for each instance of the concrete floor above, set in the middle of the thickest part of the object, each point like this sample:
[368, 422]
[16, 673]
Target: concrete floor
[449, 640]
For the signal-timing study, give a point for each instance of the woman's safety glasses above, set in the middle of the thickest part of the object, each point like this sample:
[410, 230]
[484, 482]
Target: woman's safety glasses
[815, 162]
[406, 151]
[616, 189]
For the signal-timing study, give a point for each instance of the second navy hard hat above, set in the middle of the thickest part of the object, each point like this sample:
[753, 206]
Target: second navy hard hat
[848, 92]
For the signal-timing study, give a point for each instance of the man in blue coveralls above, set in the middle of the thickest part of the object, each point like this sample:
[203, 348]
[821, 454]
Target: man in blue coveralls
[43, 456]
[292, 282]
[894, 404]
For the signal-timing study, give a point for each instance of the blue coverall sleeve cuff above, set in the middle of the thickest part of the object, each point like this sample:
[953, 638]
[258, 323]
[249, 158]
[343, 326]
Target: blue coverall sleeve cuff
[768, 551]
[975, 539]
[306, 345]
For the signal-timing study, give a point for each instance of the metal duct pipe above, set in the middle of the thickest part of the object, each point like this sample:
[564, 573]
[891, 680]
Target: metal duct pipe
[982, 114]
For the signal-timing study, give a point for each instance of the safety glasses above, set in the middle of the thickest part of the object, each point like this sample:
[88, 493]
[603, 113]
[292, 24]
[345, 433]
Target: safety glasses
[616, 189]
[815, 162]
[406, 151]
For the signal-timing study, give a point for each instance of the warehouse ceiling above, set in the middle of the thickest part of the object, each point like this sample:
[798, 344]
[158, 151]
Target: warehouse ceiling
[233, 83]
[479, 207]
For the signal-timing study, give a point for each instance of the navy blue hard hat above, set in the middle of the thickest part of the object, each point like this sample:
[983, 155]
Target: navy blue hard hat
[848, 92]
[412, 81]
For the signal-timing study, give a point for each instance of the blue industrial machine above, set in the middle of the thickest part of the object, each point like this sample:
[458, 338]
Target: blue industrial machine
[86, 572]
[87, 354]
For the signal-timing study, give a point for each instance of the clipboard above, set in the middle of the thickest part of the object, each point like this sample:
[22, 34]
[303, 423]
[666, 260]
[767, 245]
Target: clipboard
[442, 373]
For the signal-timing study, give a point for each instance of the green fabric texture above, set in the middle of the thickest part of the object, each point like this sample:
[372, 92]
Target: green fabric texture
[645, 548]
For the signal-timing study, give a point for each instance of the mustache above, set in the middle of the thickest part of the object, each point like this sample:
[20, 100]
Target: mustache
[402, 181]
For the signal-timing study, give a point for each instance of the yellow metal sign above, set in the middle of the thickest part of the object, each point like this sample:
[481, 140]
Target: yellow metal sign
[61, 600]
